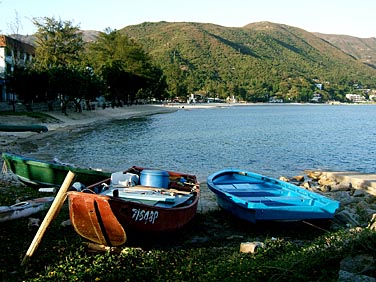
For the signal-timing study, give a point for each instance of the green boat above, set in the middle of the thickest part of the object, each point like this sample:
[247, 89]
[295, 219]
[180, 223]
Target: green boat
[49, 174]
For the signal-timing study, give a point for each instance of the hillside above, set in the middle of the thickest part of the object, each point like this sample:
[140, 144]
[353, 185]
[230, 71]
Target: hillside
[255, 61]
[258, 58]
[364, 49]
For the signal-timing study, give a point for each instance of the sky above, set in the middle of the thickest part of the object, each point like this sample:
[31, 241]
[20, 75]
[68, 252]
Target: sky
[349, 17]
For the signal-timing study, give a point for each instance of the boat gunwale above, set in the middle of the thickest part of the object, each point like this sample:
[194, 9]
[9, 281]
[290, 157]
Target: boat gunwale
[49, 164]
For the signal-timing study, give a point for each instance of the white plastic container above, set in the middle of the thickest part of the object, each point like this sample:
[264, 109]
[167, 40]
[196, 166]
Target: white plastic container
[124, 179]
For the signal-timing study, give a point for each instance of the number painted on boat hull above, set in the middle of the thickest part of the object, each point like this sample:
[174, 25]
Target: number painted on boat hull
[144, 215]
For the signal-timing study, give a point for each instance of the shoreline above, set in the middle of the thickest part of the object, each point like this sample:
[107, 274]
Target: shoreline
[60, 123]
[13, 141]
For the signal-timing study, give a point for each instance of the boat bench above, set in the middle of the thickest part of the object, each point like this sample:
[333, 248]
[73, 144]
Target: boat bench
[275, 199]
[246, 187]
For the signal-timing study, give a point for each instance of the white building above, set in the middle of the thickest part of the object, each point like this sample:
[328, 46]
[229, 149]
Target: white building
[356, 98]
[12, 53]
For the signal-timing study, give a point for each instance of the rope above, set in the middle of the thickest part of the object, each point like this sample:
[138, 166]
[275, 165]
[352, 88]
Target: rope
[5, 168]
[315, 226]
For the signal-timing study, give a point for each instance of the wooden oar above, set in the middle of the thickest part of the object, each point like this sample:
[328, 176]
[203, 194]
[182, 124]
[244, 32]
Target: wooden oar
[51, 214]
[156, 189]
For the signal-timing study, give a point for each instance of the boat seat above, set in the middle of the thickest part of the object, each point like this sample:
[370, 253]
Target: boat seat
[277, 200]
[238, 181]
[250, 194]
[246, 187]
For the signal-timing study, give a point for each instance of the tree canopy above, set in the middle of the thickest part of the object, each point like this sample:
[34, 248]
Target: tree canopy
[58, 43]
[70, 70]
[125, 67]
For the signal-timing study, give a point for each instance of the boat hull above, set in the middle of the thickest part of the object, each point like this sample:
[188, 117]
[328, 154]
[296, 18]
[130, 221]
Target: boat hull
[254, 197]
[106, 220]
[42, 173]
[24, 209]
[23, 128]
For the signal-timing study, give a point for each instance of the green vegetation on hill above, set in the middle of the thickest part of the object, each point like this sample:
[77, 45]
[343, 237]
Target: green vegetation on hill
[171, 60]
[254, 62]
[363, 49]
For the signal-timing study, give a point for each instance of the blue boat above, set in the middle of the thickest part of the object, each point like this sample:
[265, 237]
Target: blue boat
[254, 197]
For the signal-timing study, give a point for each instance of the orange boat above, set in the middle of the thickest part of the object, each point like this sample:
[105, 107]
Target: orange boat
[138, 200]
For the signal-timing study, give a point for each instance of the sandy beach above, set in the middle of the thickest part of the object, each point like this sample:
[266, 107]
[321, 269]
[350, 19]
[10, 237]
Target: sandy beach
[12, 141]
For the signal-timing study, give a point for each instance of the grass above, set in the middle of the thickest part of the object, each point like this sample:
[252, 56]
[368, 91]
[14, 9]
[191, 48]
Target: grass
[207, 250]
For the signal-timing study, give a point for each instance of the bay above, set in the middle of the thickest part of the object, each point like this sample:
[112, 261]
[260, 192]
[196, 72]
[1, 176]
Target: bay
[273, 140]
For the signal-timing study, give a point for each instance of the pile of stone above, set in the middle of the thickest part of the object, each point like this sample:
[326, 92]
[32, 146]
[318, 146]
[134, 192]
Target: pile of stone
[355, 192]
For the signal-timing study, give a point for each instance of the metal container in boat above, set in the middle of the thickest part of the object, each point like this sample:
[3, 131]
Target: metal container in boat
[154, 178]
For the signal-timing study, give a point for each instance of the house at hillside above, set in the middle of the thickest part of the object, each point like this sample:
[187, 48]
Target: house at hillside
[12, 53]
[355, 98]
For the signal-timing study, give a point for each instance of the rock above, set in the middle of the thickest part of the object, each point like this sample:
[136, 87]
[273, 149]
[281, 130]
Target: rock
[66, 223]
[33, 224]
[251, 247]
[325, 188]
[199, 239]
[341, 187]
[343, 197]
[344, 276]
[285, 179]
[325, 181]
[232, 237]
[299, 178]
[372, 223]
[357, 204]
[363, 264]
[314, 175]
[307, 185]
[359, 193]
[348, 218]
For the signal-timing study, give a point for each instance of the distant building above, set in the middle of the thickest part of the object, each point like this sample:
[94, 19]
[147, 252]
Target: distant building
[275, 99]
[356, 98]
[316, 98]
[319, 85]
[231, 100]
[12, 53]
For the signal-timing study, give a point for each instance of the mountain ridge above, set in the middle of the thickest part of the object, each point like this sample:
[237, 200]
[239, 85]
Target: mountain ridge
[258, 58]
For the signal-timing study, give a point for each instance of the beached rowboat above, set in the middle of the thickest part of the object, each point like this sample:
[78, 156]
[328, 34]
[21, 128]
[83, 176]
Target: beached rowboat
[140, 203]
[23, 128]
[254, 197]
[42, 173]
[24, 208]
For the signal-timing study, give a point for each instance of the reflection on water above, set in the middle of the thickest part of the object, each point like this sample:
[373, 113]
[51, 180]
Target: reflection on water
[269, 139]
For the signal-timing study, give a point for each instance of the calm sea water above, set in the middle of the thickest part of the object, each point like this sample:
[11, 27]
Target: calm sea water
[273, 140]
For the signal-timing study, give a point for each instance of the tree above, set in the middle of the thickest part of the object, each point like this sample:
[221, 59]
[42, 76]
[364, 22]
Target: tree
[15, 27]
[69, 84]
[58, 43]
[125, 67]
[59, 53]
